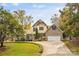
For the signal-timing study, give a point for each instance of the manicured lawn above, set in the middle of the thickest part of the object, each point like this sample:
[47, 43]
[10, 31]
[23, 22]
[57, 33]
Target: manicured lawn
[21, 49]
[73, 47]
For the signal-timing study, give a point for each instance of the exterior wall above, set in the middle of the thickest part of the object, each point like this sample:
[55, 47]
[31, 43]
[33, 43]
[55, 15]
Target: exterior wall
[51, 32]
[41, 32]
[41, 25]
[29, 37]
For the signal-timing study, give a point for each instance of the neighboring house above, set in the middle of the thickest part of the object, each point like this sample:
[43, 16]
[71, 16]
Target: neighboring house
[53, 33]
[29, 33]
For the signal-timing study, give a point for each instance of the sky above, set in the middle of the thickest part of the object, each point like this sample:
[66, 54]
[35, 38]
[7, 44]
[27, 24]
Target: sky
[43, 11]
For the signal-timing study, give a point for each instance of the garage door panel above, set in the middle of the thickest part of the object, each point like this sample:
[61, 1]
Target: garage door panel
[52, 38]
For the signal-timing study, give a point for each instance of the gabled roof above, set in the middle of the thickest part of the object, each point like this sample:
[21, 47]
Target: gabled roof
[40, 21]
[56, 26]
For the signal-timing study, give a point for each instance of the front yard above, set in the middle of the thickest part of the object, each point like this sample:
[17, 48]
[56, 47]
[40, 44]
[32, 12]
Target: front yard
[21, 49]
[73, 47]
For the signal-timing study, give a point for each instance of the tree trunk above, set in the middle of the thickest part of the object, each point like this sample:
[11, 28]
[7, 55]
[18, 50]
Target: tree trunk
[1, 44]
[70, 37]
[2, 40]
[2, 37]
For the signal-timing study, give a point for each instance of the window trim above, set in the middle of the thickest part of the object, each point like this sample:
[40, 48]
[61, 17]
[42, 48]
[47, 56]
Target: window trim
[42, 28]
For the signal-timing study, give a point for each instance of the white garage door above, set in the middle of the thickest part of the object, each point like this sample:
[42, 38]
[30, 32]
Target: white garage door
[52, 38]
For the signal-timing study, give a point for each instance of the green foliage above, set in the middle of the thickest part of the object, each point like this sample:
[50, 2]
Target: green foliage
[20, 16]
[69, 19]
[54, 18]
[9, 26]
[23, 20]
[36, 34]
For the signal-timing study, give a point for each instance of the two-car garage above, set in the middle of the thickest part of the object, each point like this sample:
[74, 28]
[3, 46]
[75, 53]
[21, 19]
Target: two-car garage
[53, 34]
[53, 38]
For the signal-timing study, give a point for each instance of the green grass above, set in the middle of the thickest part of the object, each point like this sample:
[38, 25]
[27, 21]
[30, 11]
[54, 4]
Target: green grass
[73, 47]
[21, 49]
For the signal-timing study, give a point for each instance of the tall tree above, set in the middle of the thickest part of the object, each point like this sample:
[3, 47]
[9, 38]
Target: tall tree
[54, 18]
[69, 19]
[24, 20]
[28, 22]
[74, 7]
[8, 25]
[20, 15]
[65, 21]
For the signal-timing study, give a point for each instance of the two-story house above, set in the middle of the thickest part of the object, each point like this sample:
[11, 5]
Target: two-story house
[46, 33]
[41, 27]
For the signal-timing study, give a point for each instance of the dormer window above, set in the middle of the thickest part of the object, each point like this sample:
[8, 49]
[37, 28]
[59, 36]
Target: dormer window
[53, 27]
[41, 28]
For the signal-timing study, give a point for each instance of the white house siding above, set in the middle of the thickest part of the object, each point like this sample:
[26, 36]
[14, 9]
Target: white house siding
[41, 25]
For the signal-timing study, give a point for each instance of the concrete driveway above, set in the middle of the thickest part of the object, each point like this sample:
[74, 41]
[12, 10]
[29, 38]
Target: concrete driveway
[54, 48]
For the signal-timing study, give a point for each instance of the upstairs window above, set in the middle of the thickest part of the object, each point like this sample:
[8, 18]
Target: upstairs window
[34, 29]
[41, 28]
[53, 27]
